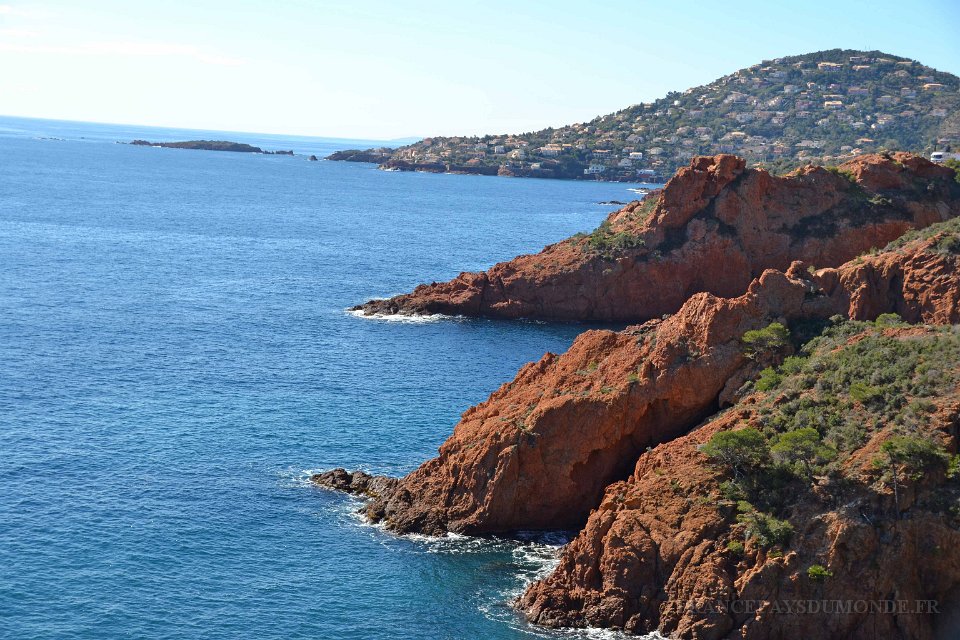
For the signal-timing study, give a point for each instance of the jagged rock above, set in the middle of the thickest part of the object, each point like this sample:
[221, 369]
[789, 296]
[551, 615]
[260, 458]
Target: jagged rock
[715, 227]
[656, 554]
[356, 482]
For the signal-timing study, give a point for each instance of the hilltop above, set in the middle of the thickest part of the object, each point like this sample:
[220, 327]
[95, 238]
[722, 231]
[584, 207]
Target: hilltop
[819, 107]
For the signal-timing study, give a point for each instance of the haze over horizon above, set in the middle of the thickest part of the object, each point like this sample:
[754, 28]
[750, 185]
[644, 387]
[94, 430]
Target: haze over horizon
[376, 70]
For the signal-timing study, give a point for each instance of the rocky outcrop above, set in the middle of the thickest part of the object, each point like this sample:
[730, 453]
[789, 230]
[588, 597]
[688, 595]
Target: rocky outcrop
[664, 550]
[355, 482]
[917, 279]
[714, 228]
[203, 145]
[540, 451]
[607, 438]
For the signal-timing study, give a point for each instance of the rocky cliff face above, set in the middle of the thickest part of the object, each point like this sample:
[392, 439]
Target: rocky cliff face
[665, 549]
[715, 227]
[609, 436]
[540, 451]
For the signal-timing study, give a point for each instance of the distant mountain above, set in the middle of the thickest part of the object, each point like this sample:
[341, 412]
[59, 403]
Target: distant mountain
[819, 107]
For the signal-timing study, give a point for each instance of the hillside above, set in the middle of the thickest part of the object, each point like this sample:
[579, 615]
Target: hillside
[820, 107]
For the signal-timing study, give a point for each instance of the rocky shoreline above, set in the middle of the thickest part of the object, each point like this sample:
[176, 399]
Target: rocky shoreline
[648, 258]
[782, 330]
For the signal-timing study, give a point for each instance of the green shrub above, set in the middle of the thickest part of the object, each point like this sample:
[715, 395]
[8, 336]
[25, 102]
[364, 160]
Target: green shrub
[735, 547]
[889, 320]
[766, 529]
[910, 457]
[737, 451]
[865, 393]
[773, 337]
[802, 447]
[954, 164]
[818, 573]
[769, 379]
[949, 245]
[918, 455]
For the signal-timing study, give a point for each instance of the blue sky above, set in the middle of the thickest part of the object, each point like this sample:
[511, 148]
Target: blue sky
[379, 69]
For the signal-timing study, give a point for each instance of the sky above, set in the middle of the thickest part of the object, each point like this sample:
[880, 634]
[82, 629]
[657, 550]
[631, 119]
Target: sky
[378, 69]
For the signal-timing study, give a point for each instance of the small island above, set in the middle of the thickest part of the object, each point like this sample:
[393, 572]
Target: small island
[211, 145]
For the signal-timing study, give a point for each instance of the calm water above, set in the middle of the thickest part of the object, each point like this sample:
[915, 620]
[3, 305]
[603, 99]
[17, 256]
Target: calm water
[175, 359]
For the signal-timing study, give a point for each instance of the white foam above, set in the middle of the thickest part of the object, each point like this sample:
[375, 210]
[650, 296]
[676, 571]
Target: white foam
[397, 317]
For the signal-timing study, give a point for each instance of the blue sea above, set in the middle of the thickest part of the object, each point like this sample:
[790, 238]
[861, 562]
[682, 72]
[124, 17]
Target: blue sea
[176, 359]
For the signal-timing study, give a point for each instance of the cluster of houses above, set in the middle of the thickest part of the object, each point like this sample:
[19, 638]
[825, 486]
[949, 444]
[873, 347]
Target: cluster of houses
[744, 113]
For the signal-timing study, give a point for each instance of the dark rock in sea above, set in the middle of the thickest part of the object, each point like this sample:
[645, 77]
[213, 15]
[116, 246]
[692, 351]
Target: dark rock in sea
[356, 482]
[616, 202]
[312, 158]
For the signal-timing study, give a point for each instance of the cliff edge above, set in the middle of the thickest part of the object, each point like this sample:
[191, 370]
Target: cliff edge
[714, 227]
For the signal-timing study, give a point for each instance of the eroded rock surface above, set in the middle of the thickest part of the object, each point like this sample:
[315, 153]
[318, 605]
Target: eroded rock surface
[714, 228]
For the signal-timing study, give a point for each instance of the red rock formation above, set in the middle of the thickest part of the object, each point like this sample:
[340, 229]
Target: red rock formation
[713, 228]
[562, 437]
[540, 451]
[917, 280]
[655, 554]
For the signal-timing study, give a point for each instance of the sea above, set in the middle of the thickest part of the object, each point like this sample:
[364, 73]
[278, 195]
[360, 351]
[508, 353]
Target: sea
[177, 358]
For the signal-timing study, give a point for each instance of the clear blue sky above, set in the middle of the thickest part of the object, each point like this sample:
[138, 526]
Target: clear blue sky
[386, 69]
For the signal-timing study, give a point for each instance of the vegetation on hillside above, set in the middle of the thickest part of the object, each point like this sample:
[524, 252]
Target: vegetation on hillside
[854, 408]
[819, 107]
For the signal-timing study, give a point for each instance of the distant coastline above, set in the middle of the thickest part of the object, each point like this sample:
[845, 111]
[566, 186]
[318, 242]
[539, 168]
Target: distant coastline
[211, 145]
[825, 107]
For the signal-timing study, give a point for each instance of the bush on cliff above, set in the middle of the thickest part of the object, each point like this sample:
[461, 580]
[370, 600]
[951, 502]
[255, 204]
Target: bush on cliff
[909, 457]
[803, 450]
[609, 244]
[738, 452]
[773, 337]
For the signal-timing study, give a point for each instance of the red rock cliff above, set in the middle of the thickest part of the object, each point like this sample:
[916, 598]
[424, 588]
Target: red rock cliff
[713, 228]
[540, 451]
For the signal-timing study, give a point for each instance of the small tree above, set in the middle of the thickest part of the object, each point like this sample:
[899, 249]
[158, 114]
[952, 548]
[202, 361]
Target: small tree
[908, 457]
[803, 447]
[773, 337]
[737, 451]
